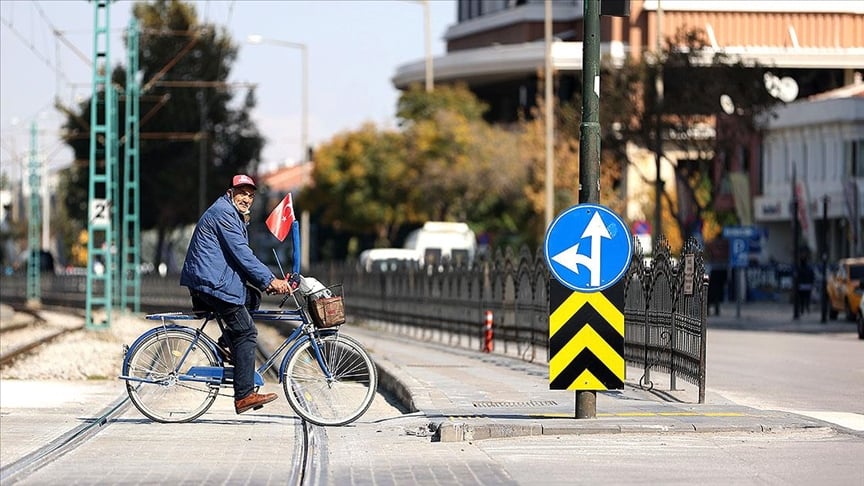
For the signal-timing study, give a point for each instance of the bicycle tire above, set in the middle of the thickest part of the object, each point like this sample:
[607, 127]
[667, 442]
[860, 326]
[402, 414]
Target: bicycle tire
[339, 401]
[163, 397]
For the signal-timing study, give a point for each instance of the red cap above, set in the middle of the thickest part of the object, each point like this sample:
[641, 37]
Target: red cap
[242, 180]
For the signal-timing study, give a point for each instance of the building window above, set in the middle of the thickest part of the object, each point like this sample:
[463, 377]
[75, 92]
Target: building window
[805, 169]
[760, 171]
[853, 158]
[823, 167]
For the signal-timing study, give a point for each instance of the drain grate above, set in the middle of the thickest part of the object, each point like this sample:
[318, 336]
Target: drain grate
[528, 404]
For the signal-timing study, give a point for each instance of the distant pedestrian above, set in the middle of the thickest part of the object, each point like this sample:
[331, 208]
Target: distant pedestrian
[805, 284]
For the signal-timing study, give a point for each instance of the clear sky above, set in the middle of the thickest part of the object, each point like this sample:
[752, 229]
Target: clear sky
[354, 49]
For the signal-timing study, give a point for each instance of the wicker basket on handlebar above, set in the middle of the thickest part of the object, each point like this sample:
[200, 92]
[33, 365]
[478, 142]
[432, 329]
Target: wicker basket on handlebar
[327, 307]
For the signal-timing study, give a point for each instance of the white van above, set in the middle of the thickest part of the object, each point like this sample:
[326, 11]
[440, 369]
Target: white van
[440, 242]
[389, 259]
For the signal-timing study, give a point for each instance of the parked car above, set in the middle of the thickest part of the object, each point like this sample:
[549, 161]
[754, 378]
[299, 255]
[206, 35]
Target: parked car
[844, 288]
[861, 319]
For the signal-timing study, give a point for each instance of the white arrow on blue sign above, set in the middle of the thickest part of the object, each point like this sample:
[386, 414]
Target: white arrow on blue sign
[588, 248]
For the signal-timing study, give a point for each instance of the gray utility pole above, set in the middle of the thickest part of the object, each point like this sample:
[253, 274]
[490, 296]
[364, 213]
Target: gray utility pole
[589, 148]
[589, 129]
[658, 131]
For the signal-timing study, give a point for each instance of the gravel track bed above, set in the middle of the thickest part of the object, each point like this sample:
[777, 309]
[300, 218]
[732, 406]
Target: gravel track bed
[88, 354]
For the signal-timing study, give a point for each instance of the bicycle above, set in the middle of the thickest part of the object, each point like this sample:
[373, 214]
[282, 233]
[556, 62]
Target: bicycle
[174, 372]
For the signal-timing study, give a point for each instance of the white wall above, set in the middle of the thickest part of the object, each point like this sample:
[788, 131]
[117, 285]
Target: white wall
[810, 135]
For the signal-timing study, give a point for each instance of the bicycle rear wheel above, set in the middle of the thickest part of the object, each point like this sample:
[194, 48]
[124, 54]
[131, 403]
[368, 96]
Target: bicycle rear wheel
[161, 395]
[339, 400]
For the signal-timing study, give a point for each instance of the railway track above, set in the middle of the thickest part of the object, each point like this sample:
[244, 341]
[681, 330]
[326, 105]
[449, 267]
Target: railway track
[28, 334]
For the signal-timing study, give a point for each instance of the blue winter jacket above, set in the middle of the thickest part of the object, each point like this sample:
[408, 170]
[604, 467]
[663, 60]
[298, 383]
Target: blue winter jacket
[219, 260]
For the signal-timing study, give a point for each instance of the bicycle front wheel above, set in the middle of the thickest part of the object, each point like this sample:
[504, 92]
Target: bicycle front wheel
[345, 395]
[157, 389]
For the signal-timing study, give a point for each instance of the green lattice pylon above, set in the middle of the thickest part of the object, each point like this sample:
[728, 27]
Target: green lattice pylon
[34, 225]
[130, 246]
[103, 160]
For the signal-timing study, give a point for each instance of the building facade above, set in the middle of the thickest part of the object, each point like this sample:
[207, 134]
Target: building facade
[815, 146]
[497, 48]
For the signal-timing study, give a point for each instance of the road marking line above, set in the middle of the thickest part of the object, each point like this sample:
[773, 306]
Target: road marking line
[854, 421]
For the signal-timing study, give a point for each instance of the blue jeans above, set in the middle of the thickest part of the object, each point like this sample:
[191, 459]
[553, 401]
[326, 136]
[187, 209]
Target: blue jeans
[242, 338]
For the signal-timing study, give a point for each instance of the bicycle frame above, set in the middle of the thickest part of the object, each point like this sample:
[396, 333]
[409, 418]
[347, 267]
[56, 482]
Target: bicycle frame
[215, 375]
[297, 337]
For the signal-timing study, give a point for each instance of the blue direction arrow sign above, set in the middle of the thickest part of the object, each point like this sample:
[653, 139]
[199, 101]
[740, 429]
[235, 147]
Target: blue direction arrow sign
[588, 248]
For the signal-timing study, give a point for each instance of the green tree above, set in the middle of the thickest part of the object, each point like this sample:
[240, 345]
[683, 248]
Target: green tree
[185, 110]
[445, 163]
[359, 184]
[459, 165]
[566, 167]
[415, 104]
[694, 78]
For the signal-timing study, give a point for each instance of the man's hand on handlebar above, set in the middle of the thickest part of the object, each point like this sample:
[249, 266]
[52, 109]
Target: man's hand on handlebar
[278, 286]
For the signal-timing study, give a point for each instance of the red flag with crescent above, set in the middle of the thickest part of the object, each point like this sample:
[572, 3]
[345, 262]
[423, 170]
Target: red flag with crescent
[281, 218]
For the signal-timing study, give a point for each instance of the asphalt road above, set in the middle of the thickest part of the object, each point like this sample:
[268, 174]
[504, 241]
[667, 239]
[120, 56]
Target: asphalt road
[820, 375]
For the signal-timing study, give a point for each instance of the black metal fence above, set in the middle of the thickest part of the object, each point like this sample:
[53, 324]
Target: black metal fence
[665, 304]
[665, 315]
[157, 293]
[449, 303]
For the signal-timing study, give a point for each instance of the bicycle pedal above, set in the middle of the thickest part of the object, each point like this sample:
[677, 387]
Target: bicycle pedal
[258, 407]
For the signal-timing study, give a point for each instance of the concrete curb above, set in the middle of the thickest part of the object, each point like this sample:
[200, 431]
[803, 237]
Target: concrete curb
[461, 431]
[390, 382]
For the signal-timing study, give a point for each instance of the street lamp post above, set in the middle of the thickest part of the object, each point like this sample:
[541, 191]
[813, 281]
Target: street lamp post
[427, 40]
[427, 34]
[304, 131]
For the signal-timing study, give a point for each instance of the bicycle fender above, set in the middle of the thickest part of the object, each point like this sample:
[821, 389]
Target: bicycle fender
[170, 327]
[297, 343]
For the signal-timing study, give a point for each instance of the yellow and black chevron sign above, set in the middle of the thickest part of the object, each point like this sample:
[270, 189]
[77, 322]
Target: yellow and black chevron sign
[586, 338]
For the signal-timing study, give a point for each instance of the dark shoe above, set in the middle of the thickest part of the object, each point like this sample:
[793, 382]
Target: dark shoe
[253, 401]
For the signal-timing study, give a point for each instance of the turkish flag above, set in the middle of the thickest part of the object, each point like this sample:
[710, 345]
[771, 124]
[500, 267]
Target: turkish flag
[280, 220]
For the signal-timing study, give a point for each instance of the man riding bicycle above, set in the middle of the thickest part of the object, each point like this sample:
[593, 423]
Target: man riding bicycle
[219, 264]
